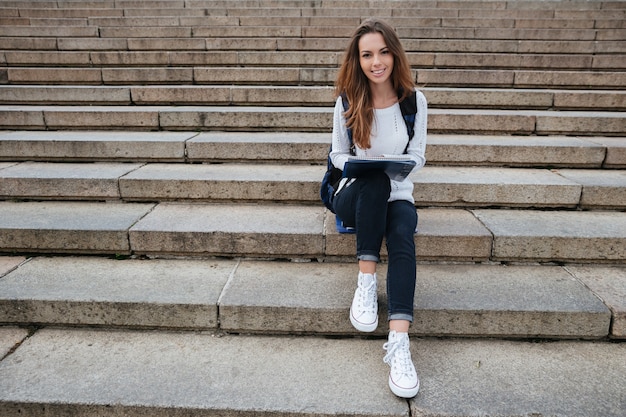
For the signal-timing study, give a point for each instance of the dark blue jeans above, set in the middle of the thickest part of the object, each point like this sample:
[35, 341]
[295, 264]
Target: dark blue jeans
[363, 204]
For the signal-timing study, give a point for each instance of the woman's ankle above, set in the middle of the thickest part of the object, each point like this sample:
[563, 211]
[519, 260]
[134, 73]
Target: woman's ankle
[367, 267]
[400, 326]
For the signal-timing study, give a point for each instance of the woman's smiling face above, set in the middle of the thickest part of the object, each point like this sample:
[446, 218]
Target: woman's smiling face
[375, 58]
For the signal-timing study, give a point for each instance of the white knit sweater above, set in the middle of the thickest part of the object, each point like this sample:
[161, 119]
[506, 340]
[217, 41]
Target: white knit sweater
[389, 137]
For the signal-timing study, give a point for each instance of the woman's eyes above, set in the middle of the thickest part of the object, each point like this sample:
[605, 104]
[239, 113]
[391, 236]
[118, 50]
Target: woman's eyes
[369, 55]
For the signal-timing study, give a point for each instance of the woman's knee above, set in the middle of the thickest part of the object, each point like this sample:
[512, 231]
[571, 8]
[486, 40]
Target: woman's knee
[402, 217]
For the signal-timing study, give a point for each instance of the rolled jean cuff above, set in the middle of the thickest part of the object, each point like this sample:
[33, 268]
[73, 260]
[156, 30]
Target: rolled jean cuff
[401, 316]
[367, 257]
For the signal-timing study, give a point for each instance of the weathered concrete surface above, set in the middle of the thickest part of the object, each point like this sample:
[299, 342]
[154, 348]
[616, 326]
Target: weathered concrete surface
[8, 263]
[514, 151]
[58, 76]
[156, 75]
[272, 95]
[608, 283]
[291, 297]
[317, 119]
[259, 146]
[524, 98]
[180, 94]
[64, 181]
[98, 291]
[5, 165]
[601, 188]
[481, 98]
[15, 117]
[47, 31]
[556, 235]
[526, 122]
[90, 44]
[590, 123]
[519, 60]
[615, 153]
[481, 121]
[9, 338]
[289, 58]
[276, 75]
[239, 182]
[95, 145]
[519, 78]
[101, 117]
[173, 374]
[231, 230]
[613, 101]
[68, 226]
[503, 301]
[65, 95]
[450, 300]
[475, 186]
[474, 378]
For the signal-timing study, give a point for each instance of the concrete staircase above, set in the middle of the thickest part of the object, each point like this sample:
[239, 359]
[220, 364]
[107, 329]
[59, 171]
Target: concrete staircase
[166, 252]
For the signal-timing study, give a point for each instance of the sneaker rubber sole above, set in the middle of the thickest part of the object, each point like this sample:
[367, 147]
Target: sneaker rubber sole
[363, 327]
[402, 391]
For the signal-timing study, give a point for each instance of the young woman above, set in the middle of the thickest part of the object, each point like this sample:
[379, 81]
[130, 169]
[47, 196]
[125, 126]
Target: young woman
[375, 77]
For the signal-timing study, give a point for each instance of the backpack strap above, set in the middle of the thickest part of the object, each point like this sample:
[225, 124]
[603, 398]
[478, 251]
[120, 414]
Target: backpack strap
[408, 107]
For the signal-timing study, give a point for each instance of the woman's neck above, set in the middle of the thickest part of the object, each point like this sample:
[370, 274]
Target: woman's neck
[383, 95]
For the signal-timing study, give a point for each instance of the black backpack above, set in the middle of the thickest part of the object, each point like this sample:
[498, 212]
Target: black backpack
[333, 175]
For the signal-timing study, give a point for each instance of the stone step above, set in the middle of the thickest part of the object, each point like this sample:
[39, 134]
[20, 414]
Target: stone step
[530, 10]
[333, 24]
[74, 50]
[430, 43]
[183, 52]
[511, 7]
[133, 373]
[432, 18]
[243, 296]
[501, 98]
[322, 75]
[298, 147]
[209, 29]
[303, 232]
[434, 186]
[302, 119]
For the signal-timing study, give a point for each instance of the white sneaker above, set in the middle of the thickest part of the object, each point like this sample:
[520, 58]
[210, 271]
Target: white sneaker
[364, 309]
[403, 380]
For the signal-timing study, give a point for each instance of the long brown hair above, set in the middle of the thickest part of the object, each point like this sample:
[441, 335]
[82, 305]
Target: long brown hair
[352, 81]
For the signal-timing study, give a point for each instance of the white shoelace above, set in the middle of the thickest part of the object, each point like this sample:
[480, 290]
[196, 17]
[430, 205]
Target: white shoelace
[367, 297]
[399, 357]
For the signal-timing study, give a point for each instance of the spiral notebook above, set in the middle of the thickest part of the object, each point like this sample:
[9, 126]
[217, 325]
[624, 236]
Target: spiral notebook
[397, 167]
